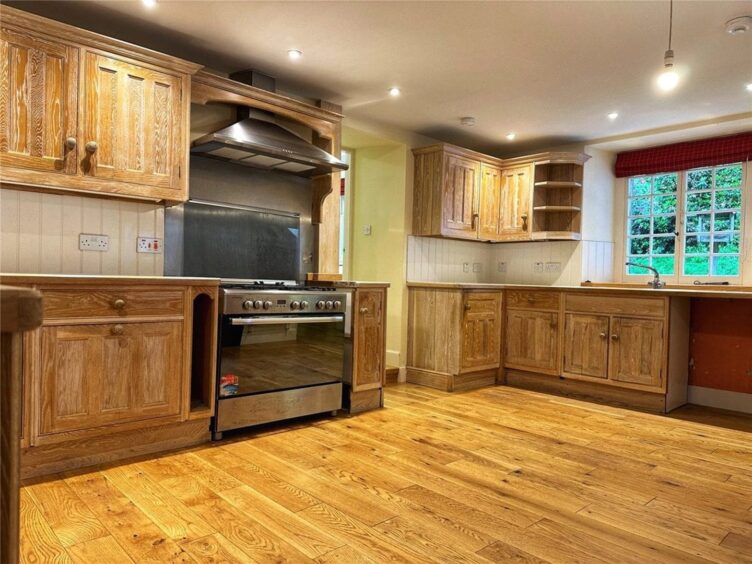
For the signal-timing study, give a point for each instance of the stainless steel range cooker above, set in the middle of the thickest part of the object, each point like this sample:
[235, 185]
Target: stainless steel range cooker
[284, 349]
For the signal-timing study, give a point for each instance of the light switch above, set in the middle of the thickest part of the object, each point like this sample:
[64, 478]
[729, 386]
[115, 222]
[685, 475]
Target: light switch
[367, 229]
[477, 267]
[538, 267]
[465, 267]
[88, 242]
[501, 266]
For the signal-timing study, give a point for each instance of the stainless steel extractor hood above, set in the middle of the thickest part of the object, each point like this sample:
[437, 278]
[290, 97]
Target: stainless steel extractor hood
[262, 144]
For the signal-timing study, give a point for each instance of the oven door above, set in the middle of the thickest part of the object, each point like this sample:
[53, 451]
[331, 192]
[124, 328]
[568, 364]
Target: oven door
[259, 355]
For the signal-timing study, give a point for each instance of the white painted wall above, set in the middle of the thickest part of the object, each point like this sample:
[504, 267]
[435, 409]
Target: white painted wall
[39, 234]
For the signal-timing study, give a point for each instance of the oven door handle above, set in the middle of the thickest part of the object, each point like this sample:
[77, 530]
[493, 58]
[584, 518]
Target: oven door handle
[285, 320]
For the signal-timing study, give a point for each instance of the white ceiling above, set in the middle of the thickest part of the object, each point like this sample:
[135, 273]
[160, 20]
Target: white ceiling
[549, 71]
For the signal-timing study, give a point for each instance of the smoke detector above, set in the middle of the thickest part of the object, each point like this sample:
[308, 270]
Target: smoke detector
[468, 121]
[738, 26]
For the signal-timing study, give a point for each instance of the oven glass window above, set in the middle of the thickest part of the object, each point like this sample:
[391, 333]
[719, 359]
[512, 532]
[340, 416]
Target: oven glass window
[280, 356]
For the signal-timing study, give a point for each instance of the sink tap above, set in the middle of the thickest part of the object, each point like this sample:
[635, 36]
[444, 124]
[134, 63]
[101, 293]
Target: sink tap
[657, 284]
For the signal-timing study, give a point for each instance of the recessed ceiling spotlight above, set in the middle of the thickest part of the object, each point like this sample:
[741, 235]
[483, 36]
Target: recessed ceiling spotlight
[749, 87]
[149, 3]
[738, 26]
[394, 91]
[511, 136]
[294, 54]
[468, 121]
[613, 115]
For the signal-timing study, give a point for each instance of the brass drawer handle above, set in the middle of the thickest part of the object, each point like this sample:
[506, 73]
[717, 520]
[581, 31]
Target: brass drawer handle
[117, 329]
[363, 310]
[118, 304]
[530, 299]
[92, 146]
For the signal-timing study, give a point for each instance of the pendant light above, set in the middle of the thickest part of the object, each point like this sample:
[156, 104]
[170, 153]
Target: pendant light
[669, 78]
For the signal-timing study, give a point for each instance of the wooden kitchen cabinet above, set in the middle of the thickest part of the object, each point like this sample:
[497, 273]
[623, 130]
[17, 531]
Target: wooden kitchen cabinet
[460, 197]
[95, 375]
[364, 385]
[514, 216]
[91, 113]
[586, 345]
[454, 338]
[489, 208]
[636, 351]
[532, 340]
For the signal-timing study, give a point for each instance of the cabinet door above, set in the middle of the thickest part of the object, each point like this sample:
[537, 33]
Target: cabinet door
[586, 345]
[636, 352]
[38, 94]
[95, 375]
[369, 345]
[489, 208]
[481, 331]
[515, 220]
[132, 123]
[460, 198]
[532, 340]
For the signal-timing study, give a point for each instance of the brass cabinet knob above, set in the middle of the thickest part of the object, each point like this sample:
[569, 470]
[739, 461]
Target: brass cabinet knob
[467, 307]
[70, 143]
[614, 337]
[603, 335]
[117, 329]
[363, 310]
[530, 299]
[92, 146]
[118, 304]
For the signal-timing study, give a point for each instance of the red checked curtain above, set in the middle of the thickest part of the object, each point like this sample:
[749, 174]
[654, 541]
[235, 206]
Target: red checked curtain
[687, 155]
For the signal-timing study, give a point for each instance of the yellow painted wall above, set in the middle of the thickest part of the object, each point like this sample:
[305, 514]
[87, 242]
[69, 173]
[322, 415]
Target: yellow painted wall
[379, 199]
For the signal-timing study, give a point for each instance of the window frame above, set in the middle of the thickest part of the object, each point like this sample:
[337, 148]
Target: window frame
[745, 239]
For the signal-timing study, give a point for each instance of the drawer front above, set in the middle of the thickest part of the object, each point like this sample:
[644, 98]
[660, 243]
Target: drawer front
[616, 305]
[482, 302]
[526, 299]
[111, 302]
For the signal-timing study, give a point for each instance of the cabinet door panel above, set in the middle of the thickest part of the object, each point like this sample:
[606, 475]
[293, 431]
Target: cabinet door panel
[38, 94]
[369, 363]
[117, 379]
[532, 340]
[133, 115]
[160, 363]
[461, 186]
[636, 352]
[489, 208]
[586, 345]
[481, 348]
[515, 220]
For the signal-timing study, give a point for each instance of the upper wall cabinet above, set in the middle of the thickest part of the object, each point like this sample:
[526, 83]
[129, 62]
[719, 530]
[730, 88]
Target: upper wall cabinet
[79, 111]
[462, 194]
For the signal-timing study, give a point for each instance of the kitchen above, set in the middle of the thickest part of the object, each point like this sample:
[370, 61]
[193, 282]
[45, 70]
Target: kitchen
[272, 315]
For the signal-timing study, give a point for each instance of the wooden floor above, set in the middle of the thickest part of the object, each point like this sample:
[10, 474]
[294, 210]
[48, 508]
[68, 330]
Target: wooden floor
[491, 475]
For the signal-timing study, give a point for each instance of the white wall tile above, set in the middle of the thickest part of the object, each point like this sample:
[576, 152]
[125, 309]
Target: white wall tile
[40, 234]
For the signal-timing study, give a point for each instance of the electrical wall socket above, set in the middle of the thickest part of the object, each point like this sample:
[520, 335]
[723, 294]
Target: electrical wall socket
[477, 267]
[538, 267]
[88, 242]
[465, 267]
[149, 245]
[553, 267]
[501, 266]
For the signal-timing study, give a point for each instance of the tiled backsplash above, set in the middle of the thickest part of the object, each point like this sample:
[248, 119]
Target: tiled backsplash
[40, 234]
[557, 263]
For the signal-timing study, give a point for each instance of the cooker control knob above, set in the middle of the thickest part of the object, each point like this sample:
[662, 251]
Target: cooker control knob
[295, 305]
[257, 304]
[337, 304]
[248, 304]
[267, 304]
[320, 304]
[303, 305]
[329, 304]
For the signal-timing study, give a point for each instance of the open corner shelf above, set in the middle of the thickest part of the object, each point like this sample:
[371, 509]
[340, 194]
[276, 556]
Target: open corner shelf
[558, 184]
[556, 236]
[557, 200]
[556, 209]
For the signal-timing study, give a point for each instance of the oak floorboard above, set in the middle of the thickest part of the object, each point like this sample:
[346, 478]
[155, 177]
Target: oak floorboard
[491, 475]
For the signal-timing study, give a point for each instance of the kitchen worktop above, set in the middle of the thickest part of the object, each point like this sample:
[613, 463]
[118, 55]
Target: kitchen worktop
[742, 292]
[350, 284]
[104, 280]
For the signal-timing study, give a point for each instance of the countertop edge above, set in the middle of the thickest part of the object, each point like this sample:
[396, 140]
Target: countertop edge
[42, 279]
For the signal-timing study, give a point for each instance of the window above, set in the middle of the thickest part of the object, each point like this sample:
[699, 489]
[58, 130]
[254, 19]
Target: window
[686, 224]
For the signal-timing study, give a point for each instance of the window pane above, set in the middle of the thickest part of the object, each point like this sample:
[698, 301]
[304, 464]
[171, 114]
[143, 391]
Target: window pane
[639, 245]
[665, 224]
[726, 243]
[639, 186]
[697, 266]
[637, 269]
[664, 245]
[665, 184]
[697, 244]
[699, 222]
[727, 221]
[664, 204]
[726, 266]
[700, 179]
[664, 265]
[699, 202]
[729, 176]
[728, 199]
[639, 206]
[639, 226]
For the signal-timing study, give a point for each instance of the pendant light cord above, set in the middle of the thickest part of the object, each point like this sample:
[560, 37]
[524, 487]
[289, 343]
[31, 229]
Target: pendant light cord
[670, 22]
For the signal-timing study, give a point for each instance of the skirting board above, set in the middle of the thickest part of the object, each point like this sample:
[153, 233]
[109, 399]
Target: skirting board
[722, 399]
